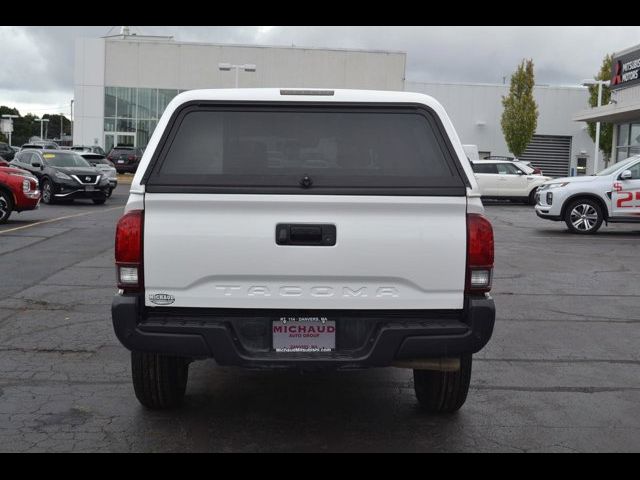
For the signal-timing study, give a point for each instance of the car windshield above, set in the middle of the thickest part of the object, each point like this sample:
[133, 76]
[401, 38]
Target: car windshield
[616, 166]
[525, 168]
[65, 159]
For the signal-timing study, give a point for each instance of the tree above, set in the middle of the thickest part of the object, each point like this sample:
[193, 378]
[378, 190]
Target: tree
[54, 125]
[606, 129]
[520, 115]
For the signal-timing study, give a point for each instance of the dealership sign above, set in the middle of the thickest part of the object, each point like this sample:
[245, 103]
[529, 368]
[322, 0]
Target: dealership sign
[625, 70]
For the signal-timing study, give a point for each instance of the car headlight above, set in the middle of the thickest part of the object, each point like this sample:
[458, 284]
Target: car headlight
[551, 186]
[62, 176]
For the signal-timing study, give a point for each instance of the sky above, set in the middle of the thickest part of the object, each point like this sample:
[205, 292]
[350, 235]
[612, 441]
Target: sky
[37, 62]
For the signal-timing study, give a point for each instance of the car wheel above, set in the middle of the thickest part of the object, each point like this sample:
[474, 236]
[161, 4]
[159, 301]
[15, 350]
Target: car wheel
[47, 192]
[6, 207]
[532, 197]
[443, 392]
[100, 201]
[583, 216]
[109, 192]
[159, 381]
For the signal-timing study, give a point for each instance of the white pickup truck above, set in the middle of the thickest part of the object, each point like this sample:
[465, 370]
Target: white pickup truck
[304, 229]
[584, 203]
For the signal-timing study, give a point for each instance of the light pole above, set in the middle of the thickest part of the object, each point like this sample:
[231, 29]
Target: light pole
[11, 117]
[42, 121]
[247, 67]
[600, 83]
[71, 121]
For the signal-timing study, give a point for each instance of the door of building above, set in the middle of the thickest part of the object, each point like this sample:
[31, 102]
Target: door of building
[119, 139]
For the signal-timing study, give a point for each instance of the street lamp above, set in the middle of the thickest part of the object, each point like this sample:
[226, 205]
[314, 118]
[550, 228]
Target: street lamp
[600, 83]
[247, 67]
[11, 117]
[42, 121]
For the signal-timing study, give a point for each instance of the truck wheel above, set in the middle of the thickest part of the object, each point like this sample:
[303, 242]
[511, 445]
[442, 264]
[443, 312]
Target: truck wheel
[443, 392]
[583, 216]
[6, 206]
[159, 381]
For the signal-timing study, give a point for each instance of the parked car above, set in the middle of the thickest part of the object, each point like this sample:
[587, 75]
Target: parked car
[89, 148]
[501, 179]
[585, 202]
[100, 162]
[304, 229]
[6, 152]
[534, 170]
[18, 191]
[3, 162]
[41, 145]
[64, 175]
[126, 159]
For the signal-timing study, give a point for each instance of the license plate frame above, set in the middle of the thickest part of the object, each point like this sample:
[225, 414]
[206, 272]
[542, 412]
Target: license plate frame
[89, 188]
[303, 334]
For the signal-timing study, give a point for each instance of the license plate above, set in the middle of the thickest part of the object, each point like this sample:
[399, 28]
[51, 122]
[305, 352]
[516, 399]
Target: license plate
[120, 161]
[304, 334]
[89, 189]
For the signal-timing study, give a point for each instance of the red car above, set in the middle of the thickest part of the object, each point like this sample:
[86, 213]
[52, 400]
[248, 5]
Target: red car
[18, 191]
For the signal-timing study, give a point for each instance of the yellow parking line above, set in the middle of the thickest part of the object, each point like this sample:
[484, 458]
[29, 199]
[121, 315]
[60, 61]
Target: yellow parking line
[58, 219]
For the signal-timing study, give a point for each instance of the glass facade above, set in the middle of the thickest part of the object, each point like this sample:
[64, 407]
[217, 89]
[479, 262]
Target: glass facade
[131, 114]
[628, 140]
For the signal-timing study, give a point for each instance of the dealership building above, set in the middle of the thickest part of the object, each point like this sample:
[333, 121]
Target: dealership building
[623, 109]
[123, 84]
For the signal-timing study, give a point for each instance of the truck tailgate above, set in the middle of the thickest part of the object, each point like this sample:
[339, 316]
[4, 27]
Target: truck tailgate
[220, 251]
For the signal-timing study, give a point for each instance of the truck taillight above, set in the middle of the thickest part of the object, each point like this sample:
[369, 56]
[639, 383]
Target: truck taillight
[129, 265]
[479, 254]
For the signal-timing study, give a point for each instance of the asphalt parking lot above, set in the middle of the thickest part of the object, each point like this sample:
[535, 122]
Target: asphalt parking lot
[562, 372]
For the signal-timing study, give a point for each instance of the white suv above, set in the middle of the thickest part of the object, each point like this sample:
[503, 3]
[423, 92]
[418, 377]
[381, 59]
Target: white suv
[583, 203]
[304, 229]
[501, 179]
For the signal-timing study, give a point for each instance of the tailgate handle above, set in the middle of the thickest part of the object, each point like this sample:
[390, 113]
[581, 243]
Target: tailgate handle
[306, 234]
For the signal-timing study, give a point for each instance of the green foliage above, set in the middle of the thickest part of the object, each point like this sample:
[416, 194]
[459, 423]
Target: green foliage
[520, 116]
[28, 126]
[606, 129]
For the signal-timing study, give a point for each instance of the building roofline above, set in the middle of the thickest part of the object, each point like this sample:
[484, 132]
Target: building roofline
[500, 85]
[626, 50]
[172, 41]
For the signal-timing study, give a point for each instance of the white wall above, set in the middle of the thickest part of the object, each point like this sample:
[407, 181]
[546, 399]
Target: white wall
[185, 66]
[88, 105]
[475, 111]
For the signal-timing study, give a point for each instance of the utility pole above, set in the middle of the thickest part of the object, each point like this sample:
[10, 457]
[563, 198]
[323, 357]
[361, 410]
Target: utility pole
[42, 120]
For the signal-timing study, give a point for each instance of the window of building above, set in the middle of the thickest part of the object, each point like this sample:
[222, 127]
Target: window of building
[134, 110]
[628, 141]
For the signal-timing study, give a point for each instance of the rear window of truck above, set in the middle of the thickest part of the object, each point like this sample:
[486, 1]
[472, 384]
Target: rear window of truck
[272, 150]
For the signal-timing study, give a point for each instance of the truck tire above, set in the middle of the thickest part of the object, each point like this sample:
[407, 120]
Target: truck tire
[583, 216]
[443, 392]
[159, 381]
